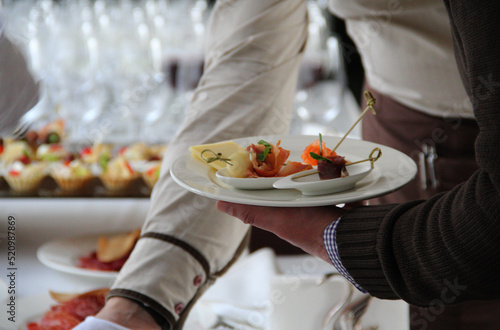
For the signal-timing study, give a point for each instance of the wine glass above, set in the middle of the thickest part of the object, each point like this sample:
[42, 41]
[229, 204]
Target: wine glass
[320, 91]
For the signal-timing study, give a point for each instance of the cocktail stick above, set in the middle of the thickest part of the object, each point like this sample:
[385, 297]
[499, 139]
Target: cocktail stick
[370, 103]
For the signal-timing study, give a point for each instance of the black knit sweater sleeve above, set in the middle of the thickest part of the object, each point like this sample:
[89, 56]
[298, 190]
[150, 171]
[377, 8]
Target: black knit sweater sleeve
[448, 247]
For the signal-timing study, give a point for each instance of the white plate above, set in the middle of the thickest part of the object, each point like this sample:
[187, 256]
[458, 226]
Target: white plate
[63, 254]
[392, 171]
[312, 185]
[246, 183]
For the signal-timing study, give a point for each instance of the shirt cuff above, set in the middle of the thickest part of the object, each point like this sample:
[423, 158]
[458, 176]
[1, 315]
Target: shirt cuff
[93, 323]
[333, 252]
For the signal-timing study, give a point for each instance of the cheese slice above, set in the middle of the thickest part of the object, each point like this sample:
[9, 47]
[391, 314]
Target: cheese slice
[241, 164]
[227, 149]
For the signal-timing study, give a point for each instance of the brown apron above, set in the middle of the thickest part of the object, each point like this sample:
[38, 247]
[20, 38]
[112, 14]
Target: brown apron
[443, 148]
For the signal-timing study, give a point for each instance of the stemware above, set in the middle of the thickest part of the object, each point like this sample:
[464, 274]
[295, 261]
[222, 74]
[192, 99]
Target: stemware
[126, 70]
[322, 81]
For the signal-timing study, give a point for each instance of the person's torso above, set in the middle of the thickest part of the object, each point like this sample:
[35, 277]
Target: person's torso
[407, 52]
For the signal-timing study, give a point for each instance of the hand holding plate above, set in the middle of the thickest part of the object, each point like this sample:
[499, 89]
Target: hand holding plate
[302, 227]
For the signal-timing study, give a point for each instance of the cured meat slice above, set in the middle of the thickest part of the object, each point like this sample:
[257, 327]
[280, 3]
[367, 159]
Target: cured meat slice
[71, 310]
[292, 168]
[91, 262]
[272, 163]
[55, 321]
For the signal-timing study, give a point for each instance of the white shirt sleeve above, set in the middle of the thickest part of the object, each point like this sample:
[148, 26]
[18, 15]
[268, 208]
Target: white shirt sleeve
[92, 323]
[253, 53]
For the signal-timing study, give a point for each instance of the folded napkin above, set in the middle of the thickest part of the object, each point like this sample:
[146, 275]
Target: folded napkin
[264, 292]
[240, 298]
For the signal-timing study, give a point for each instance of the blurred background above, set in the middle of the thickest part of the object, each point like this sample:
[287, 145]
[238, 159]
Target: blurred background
[124, 71]
[120, 72]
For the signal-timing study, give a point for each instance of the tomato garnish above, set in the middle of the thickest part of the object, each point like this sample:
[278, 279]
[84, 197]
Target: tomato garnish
[314, 147]
[68, 159]
[55, 147]
[14, 173]
[129, 167]
[155, 170]
[24, 159]
[86, 151]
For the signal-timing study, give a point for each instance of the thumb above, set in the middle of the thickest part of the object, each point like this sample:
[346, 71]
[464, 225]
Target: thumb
[224, 207]
[247, 213]
[283, 222]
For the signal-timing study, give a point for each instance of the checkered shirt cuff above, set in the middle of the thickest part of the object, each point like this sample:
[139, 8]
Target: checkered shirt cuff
[333, 252]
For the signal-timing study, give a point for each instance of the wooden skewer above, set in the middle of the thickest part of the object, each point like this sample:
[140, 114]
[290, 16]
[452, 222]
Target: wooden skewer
[370, 102]
[370, 158]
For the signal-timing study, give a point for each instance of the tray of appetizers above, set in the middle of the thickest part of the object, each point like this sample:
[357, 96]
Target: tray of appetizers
[216, 170]
[42, 163]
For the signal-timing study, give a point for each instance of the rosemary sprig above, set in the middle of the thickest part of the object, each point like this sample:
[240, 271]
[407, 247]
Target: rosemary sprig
[320, 145]
[263, 155]
[216, 156]
[319, 157]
